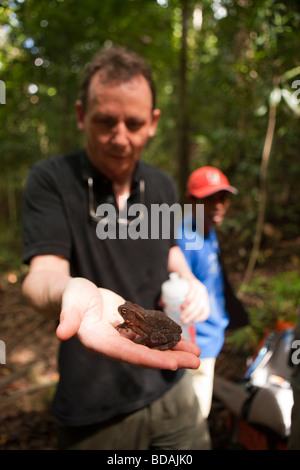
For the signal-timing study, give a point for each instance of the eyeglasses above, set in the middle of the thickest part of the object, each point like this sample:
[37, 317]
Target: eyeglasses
[120, 220]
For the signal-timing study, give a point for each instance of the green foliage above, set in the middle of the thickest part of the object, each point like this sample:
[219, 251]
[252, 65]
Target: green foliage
[232, 59]
[270, 300]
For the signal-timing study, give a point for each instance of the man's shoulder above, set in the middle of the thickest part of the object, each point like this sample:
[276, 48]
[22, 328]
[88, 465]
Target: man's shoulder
[158, 180]
[159, 185]
[190, 236]
[60, 162]
[151, 170]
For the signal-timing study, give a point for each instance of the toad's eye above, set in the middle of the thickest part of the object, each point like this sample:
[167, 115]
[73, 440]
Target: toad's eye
[124, 310]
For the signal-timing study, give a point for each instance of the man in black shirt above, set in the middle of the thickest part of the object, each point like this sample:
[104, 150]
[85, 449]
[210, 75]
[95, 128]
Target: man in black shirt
[104, 400]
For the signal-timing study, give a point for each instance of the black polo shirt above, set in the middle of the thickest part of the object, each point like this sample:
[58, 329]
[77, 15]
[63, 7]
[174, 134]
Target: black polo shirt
[57, 220]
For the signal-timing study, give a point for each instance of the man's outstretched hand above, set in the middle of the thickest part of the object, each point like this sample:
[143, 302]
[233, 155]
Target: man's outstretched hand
[92, 314]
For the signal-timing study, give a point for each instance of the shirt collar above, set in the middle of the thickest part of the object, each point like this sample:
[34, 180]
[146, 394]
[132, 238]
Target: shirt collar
[88, 170]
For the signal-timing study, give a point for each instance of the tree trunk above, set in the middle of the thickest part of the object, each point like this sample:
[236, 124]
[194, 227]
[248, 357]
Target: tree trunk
[263, 191]
[183, 157]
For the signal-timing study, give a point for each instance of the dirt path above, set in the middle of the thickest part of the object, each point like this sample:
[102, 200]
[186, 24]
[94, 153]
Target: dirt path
[28, 378]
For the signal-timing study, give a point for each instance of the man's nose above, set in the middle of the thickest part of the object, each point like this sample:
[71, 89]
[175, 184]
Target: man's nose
[120, 134]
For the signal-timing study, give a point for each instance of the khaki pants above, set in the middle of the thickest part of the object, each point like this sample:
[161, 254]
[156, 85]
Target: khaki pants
[203, 379]
[172, 422]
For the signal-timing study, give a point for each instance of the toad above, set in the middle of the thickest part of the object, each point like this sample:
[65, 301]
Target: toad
[153, 327]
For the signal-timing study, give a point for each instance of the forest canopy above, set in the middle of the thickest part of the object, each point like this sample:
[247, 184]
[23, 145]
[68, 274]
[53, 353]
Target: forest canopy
[224, 69]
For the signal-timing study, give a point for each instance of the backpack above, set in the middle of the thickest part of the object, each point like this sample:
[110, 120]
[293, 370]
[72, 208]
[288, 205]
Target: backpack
[263, 398]
[268, 382]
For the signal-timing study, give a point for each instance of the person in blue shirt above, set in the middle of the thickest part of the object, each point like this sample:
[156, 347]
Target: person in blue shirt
[210, 187]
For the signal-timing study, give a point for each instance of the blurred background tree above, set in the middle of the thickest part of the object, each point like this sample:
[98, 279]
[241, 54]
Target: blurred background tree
[214, 63]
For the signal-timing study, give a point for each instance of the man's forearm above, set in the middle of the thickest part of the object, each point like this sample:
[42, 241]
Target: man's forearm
[44, 290]
[177, 263]
[196, 305]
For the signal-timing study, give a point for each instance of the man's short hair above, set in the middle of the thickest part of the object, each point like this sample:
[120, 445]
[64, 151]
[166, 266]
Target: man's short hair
[117, 64]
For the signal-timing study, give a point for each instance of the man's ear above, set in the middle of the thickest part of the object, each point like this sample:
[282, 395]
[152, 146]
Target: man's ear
[80, 115]
[155, 118]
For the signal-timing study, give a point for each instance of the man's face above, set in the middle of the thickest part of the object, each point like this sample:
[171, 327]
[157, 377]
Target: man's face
[215, 208]
[117, 123]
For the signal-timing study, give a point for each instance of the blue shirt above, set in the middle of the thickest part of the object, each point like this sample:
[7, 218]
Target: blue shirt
[205, 265]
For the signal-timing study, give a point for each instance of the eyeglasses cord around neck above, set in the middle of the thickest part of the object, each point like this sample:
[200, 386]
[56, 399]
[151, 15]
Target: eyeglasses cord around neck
[120, 220]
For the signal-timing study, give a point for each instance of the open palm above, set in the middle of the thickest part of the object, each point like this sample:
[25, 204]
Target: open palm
[92, 314]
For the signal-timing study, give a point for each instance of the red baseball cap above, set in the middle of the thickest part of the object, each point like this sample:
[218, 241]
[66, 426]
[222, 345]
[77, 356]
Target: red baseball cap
[206, 181]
